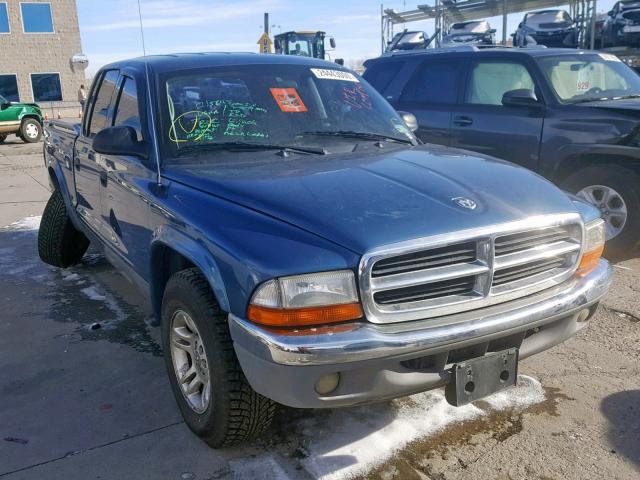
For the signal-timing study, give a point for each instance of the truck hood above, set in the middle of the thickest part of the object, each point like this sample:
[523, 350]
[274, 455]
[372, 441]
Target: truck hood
[362, 201]
[625, 106]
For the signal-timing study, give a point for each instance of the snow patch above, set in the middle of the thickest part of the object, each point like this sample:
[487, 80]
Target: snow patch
[93, 294]
[350, 442]
[28, 223]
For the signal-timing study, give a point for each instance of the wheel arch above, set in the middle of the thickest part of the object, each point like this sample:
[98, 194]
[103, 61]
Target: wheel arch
[574, 163]
[174, 251]
[32, 116]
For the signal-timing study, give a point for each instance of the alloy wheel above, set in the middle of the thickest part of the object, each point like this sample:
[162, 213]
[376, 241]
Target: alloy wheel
[611, 205]
[190, 362]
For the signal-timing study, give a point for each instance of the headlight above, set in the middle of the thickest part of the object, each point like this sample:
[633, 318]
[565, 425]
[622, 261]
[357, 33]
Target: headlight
[303, 300]
[594, 236]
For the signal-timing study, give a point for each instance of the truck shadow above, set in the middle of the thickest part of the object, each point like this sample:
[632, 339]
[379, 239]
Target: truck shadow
[622, 410]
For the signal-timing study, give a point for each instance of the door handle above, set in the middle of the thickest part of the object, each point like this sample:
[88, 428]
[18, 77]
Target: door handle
[91, 155]
[462, 121]
[104, 178]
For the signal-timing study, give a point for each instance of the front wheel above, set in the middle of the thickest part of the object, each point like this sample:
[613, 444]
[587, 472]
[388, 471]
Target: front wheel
[213, 395]
[615, 191]
[3, 137]
[30, 130]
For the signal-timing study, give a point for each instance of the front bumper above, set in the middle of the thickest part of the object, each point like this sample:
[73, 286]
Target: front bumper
[556, 39]
[377, 362]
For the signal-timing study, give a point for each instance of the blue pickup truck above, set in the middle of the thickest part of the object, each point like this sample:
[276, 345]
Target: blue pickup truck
[298, 245]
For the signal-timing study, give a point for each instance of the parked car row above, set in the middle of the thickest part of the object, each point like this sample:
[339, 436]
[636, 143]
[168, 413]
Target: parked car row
[571, 116]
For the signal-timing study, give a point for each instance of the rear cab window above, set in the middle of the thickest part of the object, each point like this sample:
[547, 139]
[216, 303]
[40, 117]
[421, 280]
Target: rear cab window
[435, 82]
[381, 74]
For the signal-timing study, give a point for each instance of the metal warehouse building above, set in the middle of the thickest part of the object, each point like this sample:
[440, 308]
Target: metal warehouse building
[38, 40]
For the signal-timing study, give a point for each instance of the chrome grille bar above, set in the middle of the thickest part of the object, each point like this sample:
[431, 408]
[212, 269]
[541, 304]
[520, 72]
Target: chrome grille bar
[460, 271]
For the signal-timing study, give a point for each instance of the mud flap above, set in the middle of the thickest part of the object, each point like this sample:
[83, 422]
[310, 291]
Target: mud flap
[479, 377]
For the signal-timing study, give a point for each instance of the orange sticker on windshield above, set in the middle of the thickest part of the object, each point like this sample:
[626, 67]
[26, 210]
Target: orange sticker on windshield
[288, 99]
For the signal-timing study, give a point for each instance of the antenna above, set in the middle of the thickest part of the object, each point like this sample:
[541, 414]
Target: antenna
[152, 130]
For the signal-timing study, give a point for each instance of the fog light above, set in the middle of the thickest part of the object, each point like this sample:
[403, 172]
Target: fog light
[327, 383]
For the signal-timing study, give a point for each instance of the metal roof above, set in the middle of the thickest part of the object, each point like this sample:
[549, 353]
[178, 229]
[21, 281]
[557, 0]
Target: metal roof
[465, 10]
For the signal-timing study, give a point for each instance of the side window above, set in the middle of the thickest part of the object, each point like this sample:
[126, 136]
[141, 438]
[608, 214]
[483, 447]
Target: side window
[434, 82]
[381, 74]
[489, 81]
[127, 110]
[100, 113]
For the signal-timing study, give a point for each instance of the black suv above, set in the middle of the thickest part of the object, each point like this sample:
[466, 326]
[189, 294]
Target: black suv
[573, 116]
[622, 26]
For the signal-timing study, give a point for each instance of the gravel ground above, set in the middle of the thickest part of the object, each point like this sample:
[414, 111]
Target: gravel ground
[82, 403]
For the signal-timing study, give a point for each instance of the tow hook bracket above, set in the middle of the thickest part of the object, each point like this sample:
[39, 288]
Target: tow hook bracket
[479, 377]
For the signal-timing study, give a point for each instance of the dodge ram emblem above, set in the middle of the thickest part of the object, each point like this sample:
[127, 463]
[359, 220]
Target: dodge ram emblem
[465, 202]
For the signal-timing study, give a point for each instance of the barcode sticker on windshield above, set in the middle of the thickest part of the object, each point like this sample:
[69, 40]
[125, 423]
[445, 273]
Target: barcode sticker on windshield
[327, 74]
[609, 57]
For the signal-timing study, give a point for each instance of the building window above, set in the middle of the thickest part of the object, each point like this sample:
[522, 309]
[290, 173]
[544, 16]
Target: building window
[9, 88]
[4, 19]
[36, 17]
[46, 87]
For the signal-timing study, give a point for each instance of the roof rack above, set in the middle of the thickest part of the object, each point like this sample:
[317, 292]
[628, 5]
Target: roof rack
[457, 48]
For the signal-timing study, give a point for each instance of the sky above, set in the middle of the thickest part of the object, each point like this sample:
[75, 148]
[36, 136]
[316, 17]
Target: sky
[113, 33]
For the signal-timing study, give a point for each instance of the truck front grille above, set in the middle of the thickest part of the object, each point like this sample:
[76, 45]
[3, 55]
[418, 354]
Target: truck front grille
[473, 269]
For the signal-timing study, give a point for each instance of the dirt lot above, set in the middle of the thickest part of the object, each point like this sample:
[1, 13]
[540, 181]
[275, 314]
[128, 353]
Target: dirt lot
[83, 392]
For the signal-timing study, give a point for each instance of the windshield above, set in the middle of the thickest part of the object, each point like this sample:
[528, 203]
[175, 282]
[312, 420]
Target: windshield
[554, 16]
[469, 27]
[285, 105]
[629, 5]
[589, 76]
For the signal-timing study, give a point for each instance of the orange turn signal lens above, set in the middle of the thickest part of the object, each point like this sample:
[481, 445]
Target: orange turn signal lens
[299, 317]
[589, 261]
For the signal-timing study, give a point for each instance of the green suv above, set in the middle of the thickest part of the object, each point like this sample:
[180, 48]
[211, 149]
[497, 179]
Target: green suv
[23, 119]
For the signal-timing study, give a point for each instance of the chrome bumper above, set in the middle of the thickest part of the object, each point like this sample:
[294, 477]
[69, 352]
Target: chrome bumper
[369, 341]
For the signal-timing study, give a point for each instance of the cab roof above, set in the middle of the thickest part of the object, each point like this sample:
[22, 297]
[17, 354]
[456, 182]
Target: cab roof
[181, 61]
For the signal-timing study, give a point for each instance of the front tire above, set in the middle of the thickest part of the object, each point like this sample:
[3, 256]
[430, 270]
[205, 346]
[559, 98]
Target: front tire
[59, 243]
[615, 191]
[30, 130]
[213, 395]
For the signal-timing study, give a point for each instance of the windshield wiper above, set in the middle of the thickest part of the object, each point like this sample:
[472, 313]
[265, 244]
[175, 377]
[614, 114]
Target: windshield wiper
[247, 146]
[363, 135]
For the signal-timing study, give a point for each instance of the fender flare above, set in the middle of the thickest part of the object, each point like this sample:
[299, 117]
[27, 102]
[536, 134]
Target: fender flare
[572, 152]
[194, 251]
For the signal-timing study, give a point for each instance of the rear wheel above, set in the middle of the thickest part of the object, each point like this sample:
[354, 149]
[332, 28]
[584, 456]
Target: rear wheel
[213, 395]
[59, 243]
[30, 130]
[615, 191]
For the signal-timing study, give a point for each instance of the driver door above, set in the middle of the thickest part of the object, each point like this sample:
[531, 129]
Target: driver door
[484, 125]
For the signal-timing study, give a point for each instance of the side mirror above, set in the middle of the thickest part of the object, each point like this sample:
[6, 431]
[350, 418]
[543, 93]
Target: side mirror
[409, 120]
[520, 97]
[493, 30]
[332, 42]
[340, 61]
[610, 13]
[121, 140]
[5, 105]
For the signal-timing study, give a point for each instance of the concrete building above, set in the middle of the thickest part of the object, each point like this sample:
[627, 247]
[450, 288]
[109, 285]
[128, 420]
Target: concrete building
[37, 42]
